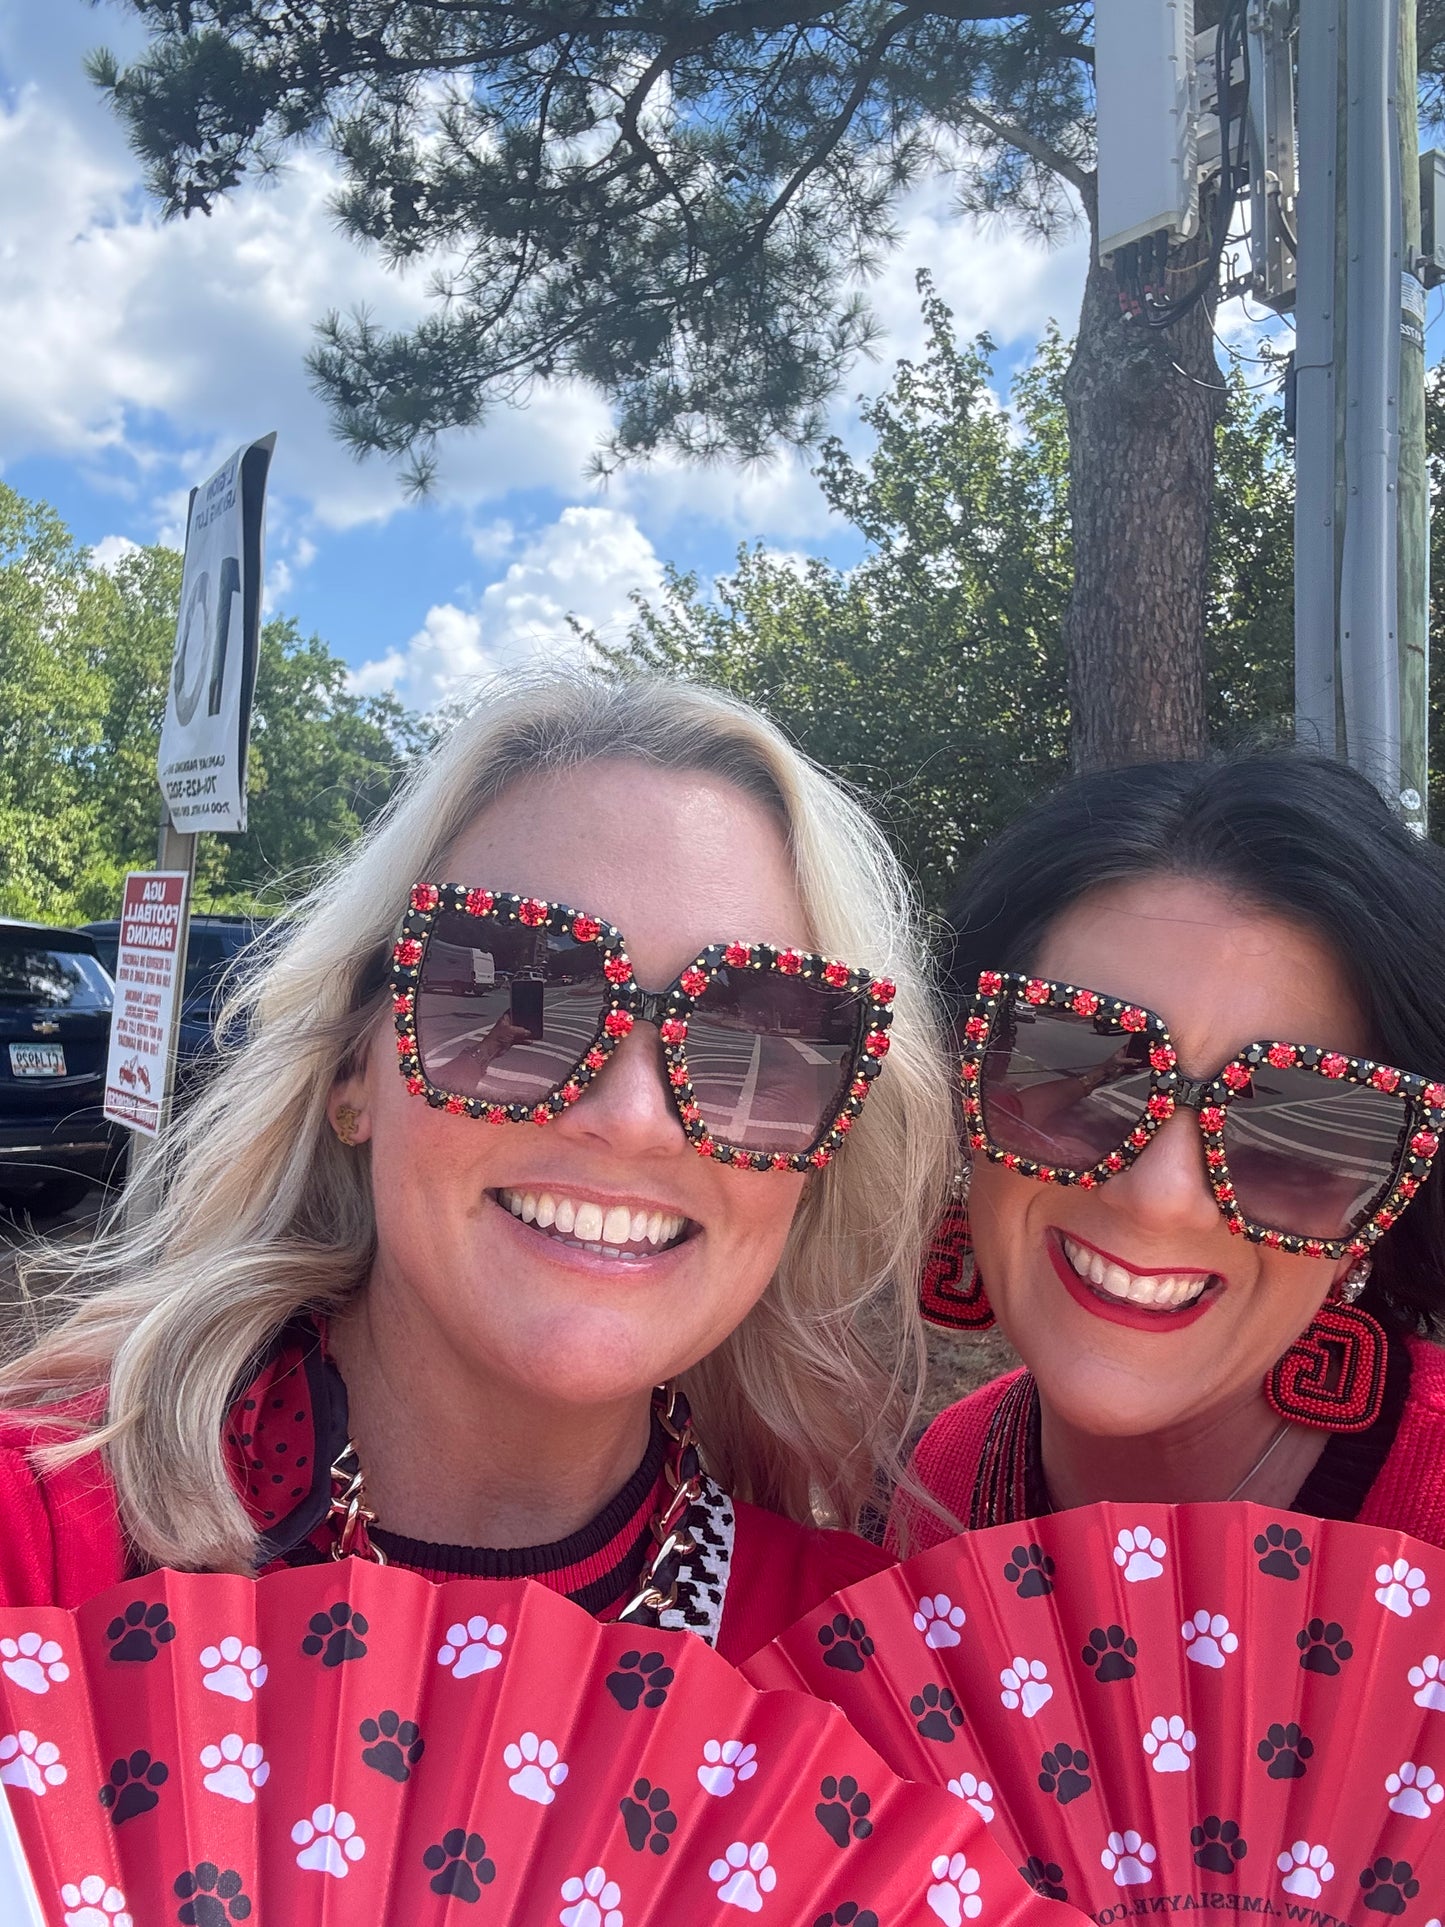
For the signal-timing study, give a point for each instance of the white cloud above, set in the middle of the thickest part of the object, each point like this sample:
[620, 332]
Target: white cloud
[111, 550]
[585, 564]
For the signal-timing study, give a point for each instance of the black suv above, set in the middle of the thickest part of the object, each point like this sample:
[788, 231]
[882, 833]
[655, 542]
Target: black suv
[214, 944]
[55, 1005]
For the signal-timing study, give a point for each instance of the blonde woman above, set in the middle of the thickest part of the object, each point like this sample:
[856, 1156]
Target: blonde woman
[559, 1216]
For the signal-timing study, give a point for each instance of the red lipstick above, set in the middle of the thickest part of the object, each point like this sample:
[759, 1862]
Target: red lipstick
[1118, 1311]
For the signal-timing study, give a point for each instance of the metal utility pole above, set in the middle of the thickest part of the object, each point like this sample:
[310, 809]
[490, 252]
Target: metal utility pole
[1361, 508]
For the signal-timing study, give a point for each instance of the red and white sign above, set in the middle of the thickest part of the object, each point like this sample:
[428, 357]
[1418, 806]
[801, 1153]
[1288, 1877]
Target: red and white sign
[146, 971]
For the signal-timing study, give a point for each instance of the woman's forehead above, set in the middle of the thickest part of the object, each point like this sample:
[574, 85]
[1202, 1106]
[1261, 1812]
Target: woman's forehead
[1220, 970]
[675, 858]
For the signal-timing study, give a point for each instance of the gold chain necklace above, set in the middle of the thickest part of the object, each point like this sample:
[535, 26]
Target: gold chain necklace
[351, 1518]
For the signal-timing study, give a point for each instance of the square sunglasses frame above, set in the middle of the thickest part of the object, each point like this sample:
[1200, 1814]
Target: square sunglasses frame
[1209, 1098]
[626, 1004]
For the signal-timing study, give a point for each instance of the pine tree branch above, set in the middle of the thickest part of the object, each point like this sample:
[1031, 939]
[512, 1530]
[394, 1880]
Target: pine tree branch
[1078, 177]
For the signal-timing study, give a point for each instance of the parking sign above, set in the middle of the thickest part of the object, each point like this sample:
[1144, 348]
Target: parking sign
[147, 967]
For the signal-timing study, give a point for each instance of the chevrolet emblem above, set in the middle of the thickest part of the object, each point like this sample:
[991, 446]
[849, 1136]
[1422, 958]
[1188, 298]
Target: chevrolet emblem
[44, 1026]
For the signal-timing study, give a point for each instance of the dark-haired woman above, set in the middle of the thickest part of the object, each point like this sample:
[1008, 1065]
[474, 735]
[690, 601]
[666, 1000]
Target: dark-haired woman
[1201, 1019]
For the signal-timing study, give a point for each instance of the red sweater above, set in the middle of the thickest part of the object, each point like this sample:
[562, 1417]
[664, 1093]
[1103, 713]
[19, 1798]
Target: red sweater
[1406, 1495]
[61, 1540]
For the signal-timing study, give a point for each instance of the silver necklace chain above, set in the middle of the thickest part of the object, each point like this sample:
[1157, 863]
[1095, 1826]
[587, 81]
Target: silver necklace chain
[1260, 1462]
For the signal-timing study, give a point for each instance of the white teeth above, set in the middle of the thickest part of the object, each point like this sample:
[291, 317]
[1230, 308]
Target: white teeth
[617, 1225]
[1163, 1291]
[597, 1229]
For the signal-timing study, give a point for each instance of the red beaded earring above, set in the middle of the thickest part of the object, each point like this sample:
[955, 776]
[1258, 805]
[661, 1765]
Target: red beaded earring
[951, 1292]
[1333, 1376]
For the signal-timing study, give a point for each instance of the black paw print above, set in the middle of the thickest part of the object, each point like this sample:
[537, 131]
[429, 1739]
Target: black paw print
[1109, 1653]
[1217, 1845]
[1044, 1877]
[845, 1643]
[848, 1914]
[937, 1712]
[843, 1810]
[1388, 1884]
[338, 1635]
[212, 1898]
[131, 1787]
[395, 1745]
[1285, 1749]
[641, 1679]
[1323, 1647]
[140, 1631]
[1064, 1772]
[648, 1817]
[1282, 1551]
[460, 1865]
[1030, 1571]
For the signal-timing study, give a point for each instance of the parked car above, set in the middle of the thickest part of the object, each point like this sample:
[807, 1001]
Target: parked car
[55, 1007]
[215, 943]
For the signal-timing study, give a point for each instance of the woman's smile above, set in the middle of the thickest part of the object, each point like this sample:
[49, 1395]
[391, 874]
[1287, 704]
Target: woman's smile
[624, 1230]
[1146, 1299]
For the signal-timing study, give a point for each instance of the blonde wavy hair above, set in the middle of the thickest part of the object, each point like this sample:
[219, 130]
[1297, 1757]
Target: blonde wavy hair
[262, 1213]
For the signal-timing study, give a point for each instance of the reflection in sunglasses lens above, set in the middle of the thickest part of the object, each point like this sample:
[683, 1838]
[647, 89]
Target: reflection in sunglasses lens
[1058, 1091]
[504, 1012]
[771, 1057]
[1310, 1156]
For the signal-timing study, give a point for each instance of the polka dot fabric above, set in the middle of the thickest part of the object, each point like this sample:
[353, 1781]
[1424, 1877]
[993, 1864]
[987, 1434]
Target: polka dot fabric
[353, 1744]
[1155, 1709]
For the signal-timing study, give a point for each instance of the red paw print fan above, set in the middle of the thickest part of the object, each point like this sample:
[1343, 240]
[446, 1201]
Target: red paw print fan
[350, 1744]
[1162, 1708]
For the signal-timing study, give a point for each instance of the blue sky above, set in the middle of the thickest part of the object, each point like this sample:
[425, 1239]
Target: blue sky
[139, 352]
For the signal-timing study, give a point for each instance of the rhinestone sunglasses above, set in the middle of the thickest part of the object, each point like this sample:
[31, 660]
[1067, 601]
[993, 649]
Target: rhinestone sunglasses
[508, 1007]
[1306, 1150]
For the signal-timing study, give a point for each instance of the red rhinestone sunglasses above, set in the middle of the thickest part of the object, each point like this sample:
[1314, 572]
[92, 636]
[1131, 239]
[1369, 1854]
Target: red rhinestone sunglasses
[1306, 1150]
[507, 1008]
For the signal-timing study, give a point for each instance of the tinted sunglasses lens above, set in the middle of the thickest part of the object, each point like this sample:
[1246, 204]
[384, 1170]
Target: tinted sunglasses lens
[504, 1012]
[1309, 1156]
[1057, 1090]
[771, 1058]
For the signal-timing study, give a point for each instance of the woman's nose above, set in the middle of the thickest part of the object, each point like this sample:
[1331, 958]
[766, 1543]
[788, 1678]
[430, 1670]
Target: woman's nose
[628, 1103]
[1166, 1188]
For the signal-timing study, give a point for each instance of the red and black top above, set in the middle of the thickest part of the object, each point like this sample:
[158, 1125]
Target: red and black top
[61, 1540]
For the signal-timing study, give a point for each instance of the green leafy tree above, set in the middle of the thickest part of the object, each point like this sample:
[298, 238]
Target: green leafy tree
[679, 205]
[85, 654]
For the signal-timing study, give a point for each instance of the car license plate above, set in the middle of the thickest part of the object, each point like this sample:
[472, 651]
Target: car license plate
[37, 1060]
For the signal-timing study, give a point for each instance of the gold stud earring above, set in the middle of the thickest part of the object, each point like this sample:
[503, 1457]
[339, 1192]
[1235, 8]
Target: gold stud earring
[345, 1123]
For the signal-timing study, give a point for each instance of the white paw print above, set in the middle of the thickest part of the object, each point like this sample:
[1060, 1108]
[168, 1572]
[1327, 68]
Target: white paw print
[1207, 1639]
[1129, 1857]
[328, 1841]
[594, 1900]
[744, 1876]
[1025, 1686]
[978, 1794]
[538, 1772]
[939, 1620]
[1305, 1869]
[1140, 1553]
[472, 1648]
[34, 1662]
[1169, 1744]
[233, 1668]
[725, 1764]
[1401, 1587]
[1413, 1790]
[954, 1893]
[1428, 1679]
[31, 1763]
[93, 1902]
[235, 1768]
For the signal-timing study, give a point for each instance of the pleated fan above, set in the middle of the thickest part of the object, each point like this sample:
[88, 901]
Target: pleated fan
[1197, 1708]
[352, 1744]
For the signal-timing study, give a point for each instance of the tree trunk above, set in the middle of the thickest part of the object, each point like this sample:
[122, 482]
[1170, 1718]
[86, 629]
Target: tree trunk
[1141, 469]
